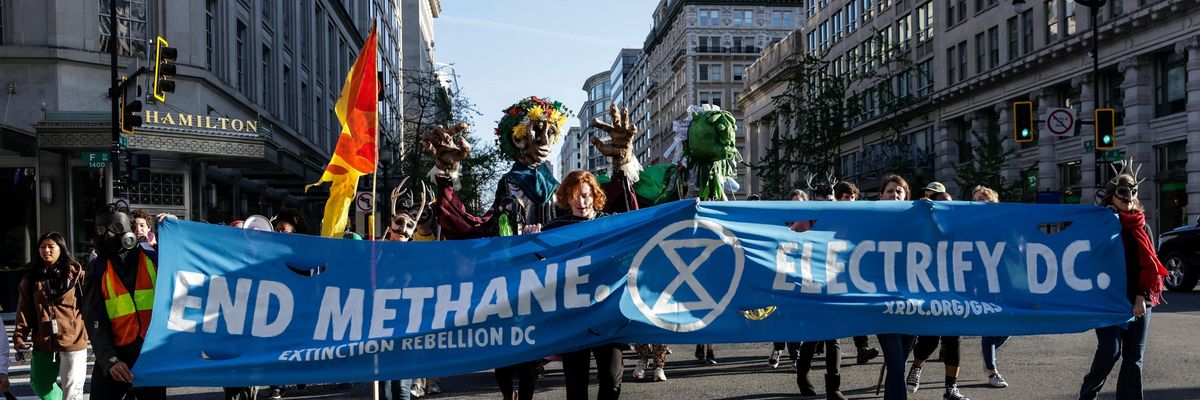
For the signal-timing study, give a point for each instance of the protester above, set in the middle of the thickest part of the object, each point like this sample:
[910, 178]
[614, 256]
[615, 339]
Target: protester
[289, 220]
[845, 191]
[798, 195]
[895, 346]
[4, 383]
[990, 345]
[1144, 286]
[47, 310]
[143, 227]
[582, 194]
[118, 302]
[522, 202]
[951, 345]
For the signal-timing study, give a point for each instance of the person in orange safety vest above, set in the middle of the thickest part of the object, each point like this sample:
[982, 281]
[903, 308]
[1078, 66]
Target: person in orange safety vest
[118, 303]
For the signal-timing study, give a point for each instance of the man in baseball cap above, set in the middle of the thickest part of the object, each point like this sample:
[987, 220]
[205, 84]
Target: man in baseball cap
[936, 191]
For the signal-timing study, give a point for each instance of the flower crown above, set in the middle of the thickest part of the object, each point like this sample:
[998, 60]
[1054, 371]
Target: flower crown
[520, 116]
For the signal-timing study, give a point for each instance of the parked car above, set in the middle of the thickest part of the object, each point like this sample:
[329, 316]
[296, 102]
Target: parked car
[1179, 251]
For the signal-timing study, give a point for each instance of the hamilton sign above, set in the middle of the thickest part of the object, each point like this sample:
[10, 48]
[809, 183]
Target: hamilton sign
[153, 117]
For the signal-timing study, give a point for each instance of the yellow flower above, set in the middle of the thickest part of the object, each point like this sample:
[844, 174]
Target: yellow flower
[534, 113]
[520, 131]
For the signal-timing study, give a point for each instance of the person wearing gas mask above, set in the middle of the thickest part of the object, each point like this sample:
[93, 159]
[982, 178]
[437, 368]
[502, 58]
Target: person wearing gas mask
[118, 300]
[47, 310]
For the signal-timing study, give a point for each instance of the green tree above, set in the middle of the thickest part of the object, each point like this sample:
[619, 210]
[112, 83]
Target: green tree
[989, 159]
[429, 102]
[823, 102]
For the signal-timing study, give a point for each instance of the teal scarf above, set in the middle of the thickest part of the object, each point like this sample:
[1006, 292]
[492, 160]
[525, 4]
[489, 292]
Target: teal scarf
[537, 183]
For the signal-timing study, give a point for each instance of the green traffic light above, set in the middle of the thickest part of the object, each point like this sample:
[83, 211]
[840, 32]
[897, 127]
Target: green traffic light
[1107, 139]
[1025, 133]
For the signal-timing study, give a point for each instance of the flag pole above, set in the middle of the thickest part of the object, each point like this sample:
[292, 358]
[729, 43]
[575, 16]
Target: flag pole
[375, 176]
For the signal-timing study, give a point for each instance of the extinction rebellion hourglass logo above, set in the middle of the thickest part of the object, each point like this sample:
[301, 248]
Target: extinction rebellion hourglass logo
[704, 263]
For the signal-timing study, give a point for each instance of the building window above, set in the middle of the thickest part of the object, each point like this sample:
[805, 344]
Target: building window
[950, 21]
[825, 34]
[1170, 86]
[851, 16]
[904, 26]
[812, 8]
[242, 57]
[1113, 96]
[286, 23]
[1, 22]
[163, 189]
[305, 34]
[710, 72]
[837, 26]
[980, 53]
[1071, 17]
[962, 60]
[994, 47]
[305, 112]
[812, 42]
[709, 17]
[925, 22]
[131, 27]
[867, 11]
[289, 98]
[268, 101]
[1051, 21]
[951, 61]
[739, 71]
[744, 44]
[332, 58]
[1027, 37]
[782, 20]
[710, 97]
[1014, 38]
[210, 34]
[743, 18]
[925, 78]
[962, 10]
[904, 84]
[268, 11]
[710, 44]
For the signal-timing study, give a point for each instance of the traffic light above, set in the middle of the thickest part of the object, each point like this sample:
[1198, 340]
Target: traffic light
[164, 69]
[131, 108]
[1106, 129]
[1023, 122]
[138, 166]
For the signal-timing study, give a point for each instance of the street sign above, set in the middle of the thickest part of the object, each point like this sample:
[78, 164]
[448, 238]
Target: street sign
[96, 160]
[123, 144]
[1060, 121]
[1089, 145]
[364, 202]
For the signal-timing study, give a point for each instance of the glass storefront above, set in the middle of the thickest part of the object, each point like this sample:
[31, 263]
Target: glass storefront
[18, 230]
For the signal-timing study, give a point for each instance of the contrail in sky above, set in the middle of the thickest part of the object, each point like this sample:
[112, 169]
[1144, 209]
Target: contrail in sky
[518, 28]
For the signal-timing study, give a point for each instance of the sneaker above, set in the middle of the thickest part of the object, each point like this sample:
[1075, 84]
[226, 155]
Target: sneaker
[866, 354]
[659, 375]
[639, 371]
[416, 390]
[700, 352]
[953, 394]
[710, 357]
[668, 350]
[276, 393]
[914, 379]
[997, 381]
[773, 361]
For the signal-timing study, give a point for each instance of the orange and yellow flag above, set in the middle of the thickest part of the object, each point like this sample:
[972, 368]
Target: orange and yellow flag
[355, 155]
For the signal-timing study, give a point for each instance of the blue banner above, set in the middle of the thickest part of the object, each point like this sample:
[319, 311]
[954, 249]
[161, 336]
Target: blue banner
[242, 307]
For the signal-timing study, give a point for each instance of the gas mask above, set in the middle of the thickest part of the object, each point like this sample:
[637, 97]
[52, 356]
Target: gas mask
[117, 236]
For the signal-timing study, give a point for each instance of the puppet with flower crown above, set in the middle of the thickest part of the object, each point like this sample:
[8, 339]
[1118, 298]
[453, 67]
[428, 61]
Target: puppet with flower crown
[524, 195]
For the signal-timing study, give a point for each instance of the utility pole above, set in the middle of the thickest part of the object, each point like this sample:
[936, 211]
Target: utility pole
[118, 181]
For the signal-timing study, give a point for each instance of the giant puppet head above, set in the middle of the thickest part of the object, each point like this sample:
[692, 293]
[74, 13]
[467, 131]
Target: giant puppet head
[529, 128]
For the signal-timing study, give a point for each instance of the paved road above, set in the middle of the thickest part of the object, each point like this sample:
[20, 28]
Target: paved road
[1037, 367]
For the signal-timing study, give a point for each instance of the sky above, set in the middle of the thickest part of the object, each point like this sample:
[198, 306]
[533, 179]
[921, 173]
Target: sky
[503, 51]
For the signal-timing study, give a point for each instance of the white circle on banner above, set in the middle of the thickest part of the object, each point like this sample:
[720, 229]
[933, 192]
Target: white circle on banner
[685, 274]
